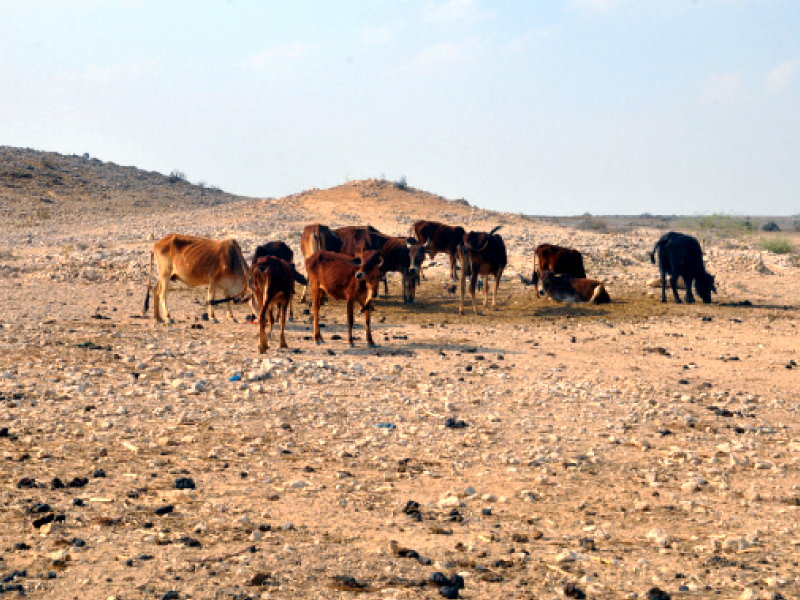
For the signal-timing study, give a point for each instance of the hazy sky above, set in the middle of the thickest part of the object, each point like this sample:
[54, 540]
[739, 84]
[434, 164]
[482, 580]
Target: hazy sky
[539, 107]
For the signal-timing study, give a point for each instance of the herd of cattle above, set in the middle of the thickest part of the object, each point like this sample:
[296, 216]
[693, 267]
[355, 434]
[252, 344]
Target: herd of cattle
[348, 263]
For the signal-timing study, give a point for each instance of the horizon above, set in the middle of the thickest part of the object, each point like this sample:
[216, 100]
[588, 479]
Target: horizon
[606, 107]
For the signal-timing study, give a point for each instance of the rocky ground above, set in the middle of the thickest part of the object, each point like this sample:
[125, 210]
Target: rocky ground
[634, 450]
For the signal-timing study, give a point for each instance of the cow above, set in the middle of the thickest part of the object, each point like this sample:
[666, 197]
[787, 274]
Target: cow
[566, 288]
[680, 255]
[316, 237]
[400, 255]
[277, 249]
[197, 261]
[343, 277]
[484, 254]
[441, 238]
[558, 259]
[273, 284]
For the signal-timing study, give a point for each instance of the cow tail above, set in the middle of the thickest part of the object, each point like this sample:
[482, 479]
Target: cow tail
[298, 277]
[495, 230]
[653, 253]
[149, 285]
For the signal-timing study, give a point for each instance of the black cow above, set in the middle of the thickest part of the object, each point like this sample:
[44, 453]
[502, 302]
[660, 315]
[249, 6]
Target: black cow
[680, 255]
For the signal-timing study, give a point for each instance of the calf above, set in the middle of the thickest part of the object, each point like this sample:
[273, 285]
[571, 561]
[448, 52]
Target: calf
[558, 259]
[482, 254]
[316, 237]
[680, 255]
[565, 288]
[343, 277]
[273, 282]
[197, 261]
[440, 238]
[277, 249]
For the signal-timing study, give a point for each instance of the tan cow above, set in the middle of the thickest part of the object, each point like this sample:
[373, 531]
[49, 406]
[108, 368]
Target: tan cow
[197, 261]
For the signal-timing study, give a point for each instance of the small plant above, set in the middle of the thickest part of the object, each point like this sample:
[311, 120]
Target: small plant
[401, 184]
[777, 245]
[175, 176]
[770, 226]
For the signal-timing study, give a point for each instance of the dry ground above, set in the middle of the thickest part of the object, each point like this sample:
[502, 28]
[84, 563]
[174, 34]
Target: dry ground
[616, 449]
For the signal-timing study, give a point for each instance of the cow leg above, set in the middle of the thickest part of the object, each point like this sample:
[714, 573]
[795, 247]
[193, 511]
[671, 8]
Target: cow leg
[485, 290]
[283, 310]
[368, 326]
[350, 310]
[271, 317]
[212, 291]
[673, 282]
[473, 282]
[163, 284]
[316, 299]
[463, 285]
[386, 285]
[453, 266]
[497, 277]
[157, 301]
[262, 336]
[664, 286]
[303, 295]
[688, 280]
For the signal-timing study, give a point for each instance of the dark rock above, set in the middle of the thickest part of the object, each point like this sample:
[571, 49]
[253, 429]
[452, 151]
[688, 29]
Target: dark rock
[260, 578]
[190, 542]
[184, 483]
[21, 546]
[39, 508]
[99, 473]
[26, 483]
[3, 432]
[78, 482]
[486, 512]
[411, 507]
[448, 592]
[453, 423]
[56, 484]
[657, 594]
[78, 542]
[171, 595]
[164, 510]
[49, 518]
[77, 502]
[570, 591]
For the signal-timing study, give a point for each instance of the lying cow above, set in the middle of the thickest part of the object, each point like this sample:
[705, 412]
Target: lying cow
[276, 249]
[680, 255]
[440, 238]
[343, 277]
[558, 259]
[566, 288]
[273, 284]
[197, 261]
[483, 254]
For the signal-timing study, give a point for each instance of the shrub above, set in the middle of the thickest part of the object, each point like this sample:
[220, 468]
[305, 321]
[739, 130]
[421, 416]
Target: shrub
[401, 184]
[770, 226]
[777, 245]
[175, 176]
[595, 224]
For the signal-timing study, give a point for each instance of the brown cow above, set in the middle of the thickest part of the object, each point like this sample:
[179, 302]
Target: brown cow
[565, 288]
[273, 283]
[482, 254]
[316, 237]
[343, 277]
[197, 261]
[277, 249]
[443, 238]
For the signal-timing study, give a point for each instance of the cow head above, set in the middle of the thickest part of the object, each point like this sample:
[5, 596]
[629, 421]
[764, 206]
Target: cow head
[417, 254]
[368, 273]
[705, 285]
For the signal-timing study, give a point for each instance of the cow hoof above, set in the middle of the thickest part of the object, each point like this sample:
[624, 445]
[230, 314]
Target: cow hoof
[372, 345]
[318, 342]
[262, 350]
[214, 320]
[170, 321]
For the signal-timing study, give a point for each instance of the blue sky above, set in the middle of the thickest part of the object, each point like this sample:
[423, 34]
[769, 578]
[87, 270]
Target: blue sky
[548, 107]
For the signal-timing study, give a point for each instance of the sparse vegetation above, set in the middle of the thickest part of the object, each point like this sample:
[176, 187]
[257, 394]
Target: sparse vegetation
[777, 245]
[175, 176]
[720, 224]
[591, 223]
[401, 183]
[770, 226]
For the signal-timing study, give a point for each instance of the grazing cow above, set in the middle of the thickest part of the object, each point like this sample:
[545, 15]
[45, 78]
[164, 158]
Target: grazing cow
[273, 284]
[277, 249]
[343, 277]
[316, 237]
[197, 261]
[482, 254]
[680, 255]
[566, 288]
[441, 238]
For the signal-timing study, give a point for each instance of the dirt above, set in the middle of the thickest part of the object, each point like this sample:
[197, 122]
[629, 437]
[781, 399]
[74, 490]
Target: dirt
[536, 450]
